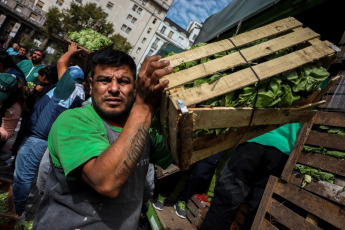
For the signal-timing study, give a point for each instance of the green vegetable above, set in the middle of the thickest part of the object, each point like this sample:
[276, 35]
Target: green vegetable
[315, 173]
[324, 151]
[89, 39]
[31, 85]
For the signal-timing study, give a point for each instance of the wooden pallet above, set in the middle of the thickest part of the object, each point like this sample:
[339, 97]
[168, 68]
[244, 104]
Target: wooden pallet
[287, 206]
[196, 211]
[334, 192]
[7, 219]
[288, 32]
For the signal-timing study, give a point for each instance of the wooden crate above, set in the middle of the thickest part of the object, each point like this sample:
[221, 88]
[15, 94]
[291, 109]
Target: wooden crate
[196, 211]
[7, 219]
[178, 136]
[287, 206]
[334, 192]
[84, 57]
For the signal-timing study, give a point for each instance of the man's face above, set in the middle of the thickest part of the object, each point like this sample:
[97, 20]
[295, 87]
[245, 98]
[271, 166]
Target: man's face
[15, 46]
[36, 57]
[22, 52]
[113, 92]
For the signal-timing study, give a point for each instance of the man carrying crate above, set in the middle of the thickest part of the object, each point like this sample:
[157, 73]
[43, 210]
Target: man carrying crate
[100, 153]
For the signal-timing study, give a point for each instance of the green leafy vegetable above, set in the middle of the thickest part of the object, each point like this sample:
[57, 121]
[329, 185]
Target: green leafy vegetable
[89, 39]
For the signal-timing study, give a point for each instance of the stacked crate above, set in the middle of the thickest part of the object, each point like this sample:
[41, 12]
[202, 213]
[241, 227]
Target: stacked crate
[247, 122]
[8, 216]
[288, 202]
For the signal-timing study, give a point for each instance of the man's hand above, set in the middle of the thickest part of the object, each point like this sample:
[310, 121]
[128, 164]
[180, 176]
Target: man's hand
[73, 48]
[148, 87]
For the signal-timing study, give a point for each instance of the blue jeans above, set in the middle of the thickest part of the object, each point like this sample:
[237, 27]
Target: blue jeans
[27, 162]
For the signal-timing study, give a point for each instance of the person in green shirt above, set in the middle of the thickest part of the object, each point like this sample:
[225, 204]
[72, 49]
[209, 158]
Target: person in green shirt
[100, 153]
[31, 67]
[245, 175]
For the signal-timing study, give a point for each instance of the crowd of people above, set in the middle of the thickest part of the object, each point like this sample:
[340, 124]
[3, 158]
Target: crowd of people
[98, 150]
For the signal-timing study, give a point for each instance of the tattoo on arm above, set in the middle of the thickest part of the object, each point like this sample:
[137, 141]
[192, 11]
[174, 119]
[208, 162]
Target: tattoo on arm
[137, 146]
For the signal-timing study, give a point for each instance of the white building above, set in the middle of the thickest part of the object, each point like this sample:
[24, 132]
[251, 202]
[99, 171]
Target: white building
[169, 32]
[136, 20]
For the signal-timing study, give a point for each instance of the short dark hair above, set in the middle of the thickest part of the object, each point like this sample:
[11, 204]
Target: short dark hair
[50, 72]
[24, 47]
[40, 50]
[114, 58]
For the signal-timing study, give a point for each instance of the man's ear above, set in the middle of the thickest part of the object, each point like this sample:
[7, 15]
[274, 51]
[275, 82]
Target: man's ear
[90, 82]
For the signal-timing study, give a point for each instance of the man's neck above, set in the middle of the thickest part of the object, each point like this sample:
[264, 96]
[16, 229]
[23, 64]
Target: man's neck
[35, 64]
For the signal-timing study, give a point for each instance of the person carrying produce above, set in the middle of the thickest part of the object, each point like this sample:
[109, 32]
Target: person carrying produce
[100, 153]
[246, 173]
[67, 94]
[31, 67]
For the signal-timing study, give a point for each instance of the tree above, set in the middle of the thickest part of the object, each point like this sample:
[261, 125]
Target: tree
[121, 43]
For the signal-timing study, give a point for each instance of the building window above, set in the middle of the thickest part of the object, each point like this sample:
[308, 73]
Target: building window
[144, 2]
[149, 30]
[134, 20]
[138, 50]
[150, 53]
[139, 10]
[135, 7]
[59, 2]
[110, 5]
[4, 1]
[143, 41]
[159, 11]
[129, 17]
[154, 21]
[194, 36]
[170, 34]
[123, 27]
[40, 4]
[19, 8]
[179, 39]
[163, 29]
[33, 16]
[128, 30]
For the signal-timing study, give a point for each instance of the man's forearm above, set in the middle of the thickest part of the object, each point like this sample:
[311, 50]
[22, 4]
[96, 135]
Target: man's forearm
[110, 171]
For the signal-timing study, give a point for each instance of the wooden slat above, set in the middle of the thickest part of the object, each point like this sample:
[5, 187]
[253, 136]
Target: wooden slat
[235, 59]
[297, 149]
[246, 76]
[173, 133]
[264, 203]
[241, 39]
[222, 117]
[266, 225]
[316, 205]
[323, 162]
[330, 119]
[288, 217]
[207, 146]
[186, 135]
[323, 189]
[326, 140]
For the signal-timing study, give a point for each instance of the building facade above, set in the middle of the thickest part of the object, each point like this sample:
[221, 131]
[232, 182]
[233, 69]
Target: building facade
[136, 20]
[170, 33]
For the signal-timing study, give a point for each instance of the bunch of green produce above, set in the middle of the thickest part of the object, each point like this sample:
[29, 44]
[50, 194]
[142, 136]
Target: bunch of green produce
[3, 206]
[30, 84]
[317, 174]
[24, 225]
[321, 150]
[89, 39]
[329, 129]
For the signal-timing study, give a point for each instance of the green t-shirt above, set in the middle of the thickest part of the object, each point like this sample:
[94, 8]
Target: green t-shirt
[79, 134]
[282, 138]
[30, 71]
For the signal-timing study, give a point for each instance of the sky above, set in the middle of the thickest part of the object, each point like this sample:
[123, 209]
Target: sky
[183, 11]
